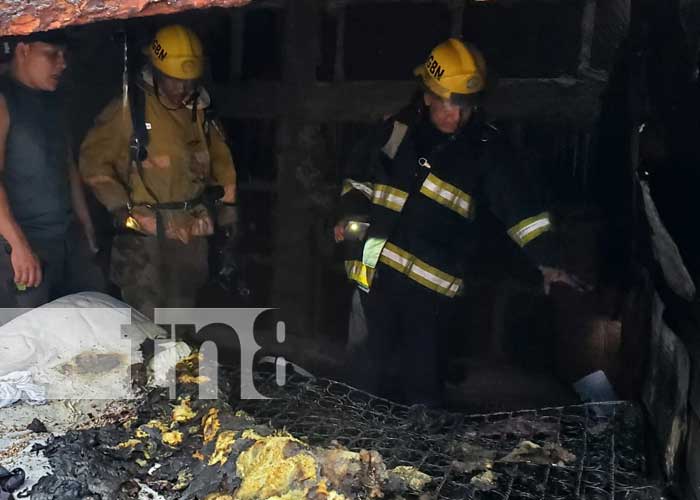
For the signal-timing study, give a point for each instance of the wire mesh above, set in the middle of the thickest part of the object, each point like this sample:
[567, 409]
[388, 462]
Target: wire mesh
[607, 441]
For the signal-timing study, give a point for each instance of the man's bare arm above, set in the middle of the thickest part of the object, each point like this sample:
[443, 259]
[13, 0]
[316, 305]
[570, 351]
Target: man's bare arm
[25, 263]
[79, 204]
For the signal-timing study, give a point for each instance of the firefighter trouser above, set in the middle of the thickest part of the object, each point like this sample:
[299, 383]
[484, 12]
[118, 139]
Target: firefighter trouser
[407, 349]
[68, 266]
[357, 324]
[153, 273]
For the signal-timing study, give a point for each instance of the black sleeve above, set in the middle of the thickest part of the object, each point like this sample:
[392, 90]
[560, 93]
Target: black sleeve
[514, 197]
[359, 172]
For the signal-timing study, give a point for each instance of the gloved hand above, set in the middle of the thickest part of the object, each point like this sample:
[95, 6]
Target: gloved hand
[228, 220]
[339, 231]
[553, 275]
[202, 225]
[142, 222]
[119, 217]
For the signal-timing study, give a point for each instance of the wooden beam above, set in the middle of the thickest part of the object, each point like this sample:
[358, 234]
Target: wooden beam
[336, 4]
[456, 8]
[340, 4]
[266, 4]
[587, 34]
[23, 17]
[562, 99]
[297, 144]
[237, 26]
[339, 64]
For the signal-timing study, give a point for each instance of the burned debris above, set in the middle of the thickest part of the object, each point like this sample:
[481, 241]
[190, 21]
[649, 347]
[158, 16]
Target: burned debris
[320, 439]
[10, 481]
[199, 449]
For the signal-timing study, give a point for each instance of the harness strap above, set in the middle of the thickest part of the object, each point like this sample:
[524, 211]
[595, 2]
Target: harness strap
[138, 147]
[174, 205]
[139, 152]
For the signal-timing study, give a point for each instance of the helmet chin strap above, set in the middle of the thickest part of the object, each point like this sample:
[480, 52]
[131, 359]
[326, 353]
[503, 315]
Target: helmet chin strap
[194, 100]
[465, 114]
[155, 84]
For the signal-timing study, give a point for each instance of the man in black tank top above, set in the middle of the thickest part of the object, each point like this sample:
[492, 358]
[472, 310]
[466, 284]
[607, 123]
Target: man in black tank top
[42, 254]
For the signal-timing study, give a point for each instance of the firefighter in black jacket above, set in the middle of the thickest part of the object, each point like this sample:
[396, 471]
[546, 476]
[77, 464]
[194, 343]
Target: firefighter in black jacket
[407, 205]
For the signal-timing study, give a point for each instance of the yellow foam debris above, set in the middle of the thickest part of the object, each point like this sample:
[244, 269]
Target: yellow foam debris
[291, 495]
[191, 379]
[484, 480]
[183, 413]
[218, 496]
[190, 361]
[266, 471]
[415, 479]
[251, 434]
[183, 480]
[157, 424]
[322, 488]
[210, 425]
[303, 495]
[172, 438]
[243, 414]
[224, 445]
[323, 491]
[150, 450]
[129, 444]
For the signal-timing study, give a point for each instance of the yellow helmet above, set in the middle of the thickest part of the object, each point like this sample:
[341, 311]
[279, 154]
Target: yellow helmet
[453, 70]
[177, 52]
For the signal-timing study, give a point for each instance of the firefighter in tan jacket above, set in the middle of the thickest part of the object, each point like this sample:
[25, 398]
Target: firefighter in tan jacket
[150, 163]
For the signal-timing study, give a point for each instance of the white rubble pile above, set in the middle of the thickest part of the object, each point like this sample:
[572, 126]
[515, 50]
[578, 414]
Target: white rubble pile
[74, 355]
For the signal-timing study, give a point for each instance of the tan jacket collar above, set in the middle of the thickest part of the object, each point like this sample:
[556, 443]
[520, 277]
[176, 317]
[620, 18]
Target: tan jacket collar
[203, 102]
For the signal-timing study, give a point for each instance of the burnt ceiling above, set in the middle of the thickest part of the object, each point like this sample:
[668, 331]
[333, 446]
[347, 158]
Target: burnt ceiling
[19, 17]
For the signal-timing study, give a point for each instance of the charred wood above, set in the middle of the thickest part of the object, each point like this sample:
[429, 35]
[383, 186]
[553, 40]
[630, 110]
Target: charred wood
[21, 17]
[546, 99]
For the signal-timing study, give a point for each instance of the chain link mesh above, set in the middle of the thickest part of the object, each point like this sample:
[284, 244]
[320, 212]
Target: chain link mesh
[606, 439]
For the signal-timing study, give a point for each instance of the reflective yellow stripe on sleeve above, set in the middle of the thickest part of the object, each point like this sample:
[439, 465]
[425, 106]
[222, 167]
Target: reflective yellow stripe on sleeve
[419, 271]
[359, 273]
[365, 188]
[527, 230]
[389, 197]
[447, 195]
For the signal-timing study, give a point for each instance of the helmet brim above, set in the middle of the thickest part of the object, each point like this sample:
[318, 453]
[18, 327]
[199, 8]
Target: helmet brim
[428, 84]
